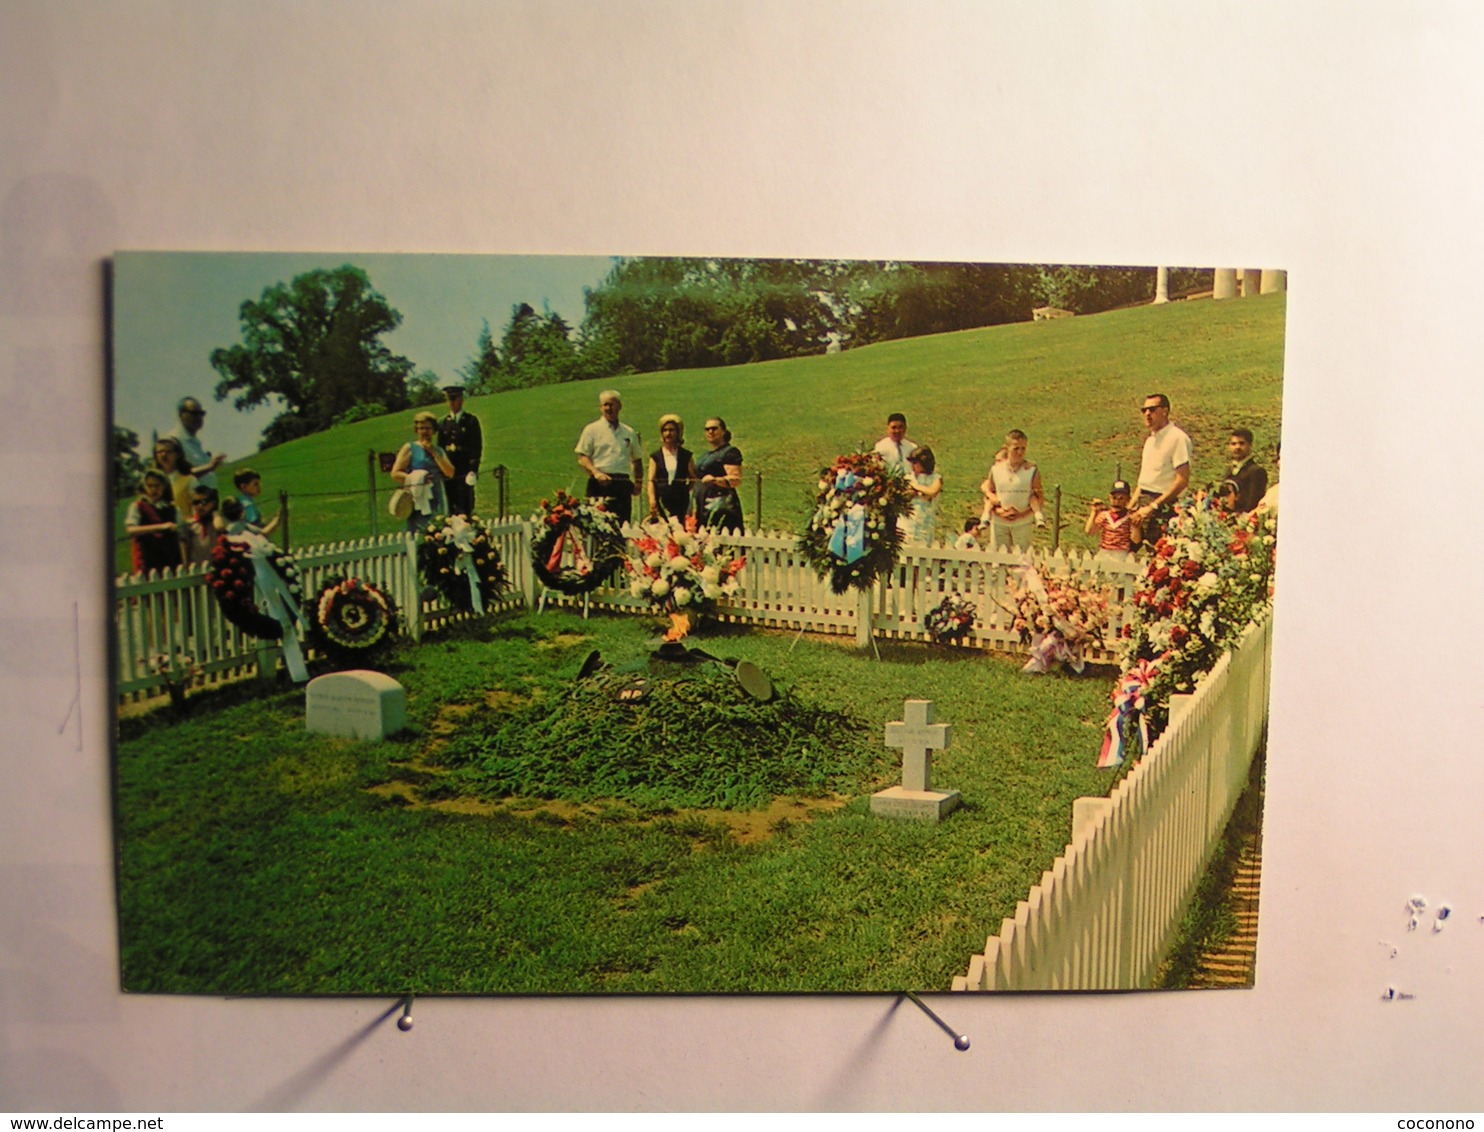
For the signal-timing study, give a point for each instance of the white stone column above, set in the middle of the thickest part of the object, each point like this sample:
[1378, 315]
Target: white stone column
[1273, 280]
[1161, 284]
[1224, 286]
[1251, 277]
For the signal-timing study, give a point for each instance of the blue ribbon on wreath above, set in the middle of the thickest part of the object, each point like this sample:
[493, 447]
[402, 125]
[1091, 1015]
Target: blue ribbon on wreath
[848, 540]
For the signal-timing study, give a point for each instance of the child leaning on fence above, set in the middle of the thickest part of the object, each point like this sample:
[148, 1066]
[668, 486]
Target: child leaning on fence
[1118, 530]
[153, 525]
[249, 486]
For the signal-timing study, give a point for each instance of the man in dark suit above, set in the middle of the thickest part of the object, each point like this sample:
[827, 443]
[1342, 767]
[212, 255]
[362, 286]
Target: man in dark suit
[1251, 480]
[459, 436]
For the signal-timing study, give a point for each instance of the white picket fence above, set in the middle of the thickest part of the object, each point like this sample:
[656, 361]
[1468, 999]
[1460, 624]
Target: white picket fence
[172, 614]
[1105, 914]
[163, 618]
[781, 590]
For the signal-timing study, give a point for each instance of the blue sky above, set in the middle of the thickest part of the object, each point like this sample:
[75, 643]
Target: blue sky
[171, 309]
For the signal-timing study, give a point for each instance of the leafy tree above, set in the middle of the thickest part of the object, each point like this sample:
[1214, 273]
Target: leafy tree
[534, 349]
[424, 388]
[672, 313]
[128, 465]
[314, 344]
[481, 372]
[537, 349]
[362, 412]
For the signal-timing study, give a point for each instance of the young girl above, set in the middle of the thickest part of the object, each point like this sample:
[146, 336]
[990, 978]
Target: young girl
[202, 531]
[926, 486]
[154, 524]
[1119, 531]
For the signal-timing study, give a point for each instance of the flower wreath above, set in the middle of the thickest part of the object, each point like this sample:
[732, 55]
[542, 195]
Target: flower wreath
[951, 620]
[351, 618]
[680, 565]
[582, 532]
[233, 580]
[457, 556]
[852, 535]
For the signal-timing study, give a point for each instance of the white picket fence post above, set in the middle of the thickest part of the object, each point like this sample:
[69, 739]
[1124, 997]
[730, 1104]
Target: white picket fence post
[1105, 914]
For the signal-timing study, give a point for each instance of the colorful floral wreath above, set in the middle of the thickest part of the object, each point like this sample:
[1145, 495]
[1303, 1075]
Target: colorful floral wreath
[446, 552]
[681, 566]
[579, 547]
[951, 620]
[852, 535]
[351, 618]
[232, 579]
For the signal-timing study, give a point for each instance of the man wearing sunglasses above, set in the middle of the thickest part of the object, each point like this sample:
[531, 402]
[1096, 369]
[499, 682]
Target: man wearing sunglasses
[203, 463]
[1164, 471]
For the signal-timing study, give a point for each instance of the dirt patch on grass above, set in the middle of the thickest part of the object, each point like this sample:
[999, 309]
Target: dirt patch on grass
[449, 719]
[751, 826]
[563, 641]
[501, 700]
[744, 827]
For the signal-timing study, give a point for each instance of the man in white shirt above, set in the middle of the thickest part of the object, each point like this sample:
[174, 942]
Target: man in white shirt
[611, 454]
[203, 463]
[894, 447]
[1164, 471]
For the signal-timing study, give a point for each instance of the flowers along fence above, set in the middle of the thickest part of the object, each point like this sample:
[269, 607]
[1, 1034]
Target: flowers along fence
[168, 625]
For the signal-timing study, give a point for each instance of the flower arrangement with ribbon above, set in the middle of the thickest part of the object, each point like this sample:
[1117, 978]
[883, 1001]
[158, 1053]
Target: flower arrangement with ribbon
[259, 590]
[578, 547]
[351, 618]
[1056, 616]
[1130, 704]
[458, 557]
[681, 566]
[1209, 577]
[852, 535]
[951, 620]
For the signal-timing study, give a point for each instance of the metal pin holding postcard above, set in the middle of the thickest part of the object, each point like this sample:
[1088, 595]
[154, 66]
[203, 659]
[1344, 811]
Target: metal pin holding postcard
[960, 1041]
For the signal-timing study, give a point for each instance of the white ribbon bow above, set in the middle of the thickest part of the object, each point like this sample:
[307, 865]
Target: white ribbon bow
[275, 595]
[462, 534]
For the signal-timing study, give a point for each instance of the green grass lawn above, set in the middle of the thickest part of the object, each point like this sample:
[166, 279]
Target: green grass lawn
[257, 859]
[1073, 385]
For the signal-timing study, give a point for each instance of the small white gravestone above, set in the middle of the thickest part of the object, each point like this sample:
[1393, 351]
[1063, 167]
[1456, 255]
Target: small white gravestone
[358, 704]
[919, 737]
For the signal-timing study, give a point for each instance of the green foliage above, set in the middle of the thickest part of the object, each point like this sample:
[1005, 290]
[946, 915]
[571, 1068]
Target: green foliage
[670, 313]
[424, 388]
[881, 302]
[128, 465]
[315, 346]
[362, 412]
[693, 739]
[536, 349]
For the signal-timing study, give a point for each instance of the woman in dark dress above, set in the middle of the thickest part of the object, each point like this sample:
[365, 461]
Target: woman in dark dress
[672, 471]
[718, 475]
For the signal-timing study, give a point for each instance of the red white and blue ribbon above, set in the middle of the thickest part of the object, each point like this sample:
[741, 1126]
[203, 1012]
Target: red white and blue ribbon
[1129, 698]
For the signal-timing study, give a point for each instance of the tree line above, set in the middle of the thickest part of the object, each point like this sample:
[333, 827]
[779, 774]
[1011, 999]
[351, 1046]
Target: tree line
[315, 343]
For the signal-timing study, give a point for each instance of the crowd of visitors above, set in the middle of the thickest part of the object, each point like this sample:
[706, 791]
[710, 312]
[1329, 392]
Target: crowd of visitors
[179, 513]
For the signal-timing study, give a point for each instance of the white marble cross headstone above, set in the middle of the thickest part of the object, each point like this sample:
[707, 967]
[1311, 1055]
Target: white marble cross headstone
[919, 737]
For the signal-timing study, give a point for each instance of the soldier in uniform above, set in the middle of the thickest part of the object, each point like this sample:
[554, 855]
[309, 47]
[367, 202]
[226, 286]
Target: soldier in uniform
[459, 436]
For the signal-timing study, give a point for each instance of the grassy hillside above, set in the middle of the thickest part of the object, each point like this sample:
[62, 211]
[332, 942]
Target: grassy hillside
[1073, 385]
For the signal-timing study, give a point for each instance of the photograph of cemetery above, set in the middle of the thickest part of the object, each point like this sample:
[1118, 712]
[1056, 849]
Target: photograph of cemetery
[573, 625]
